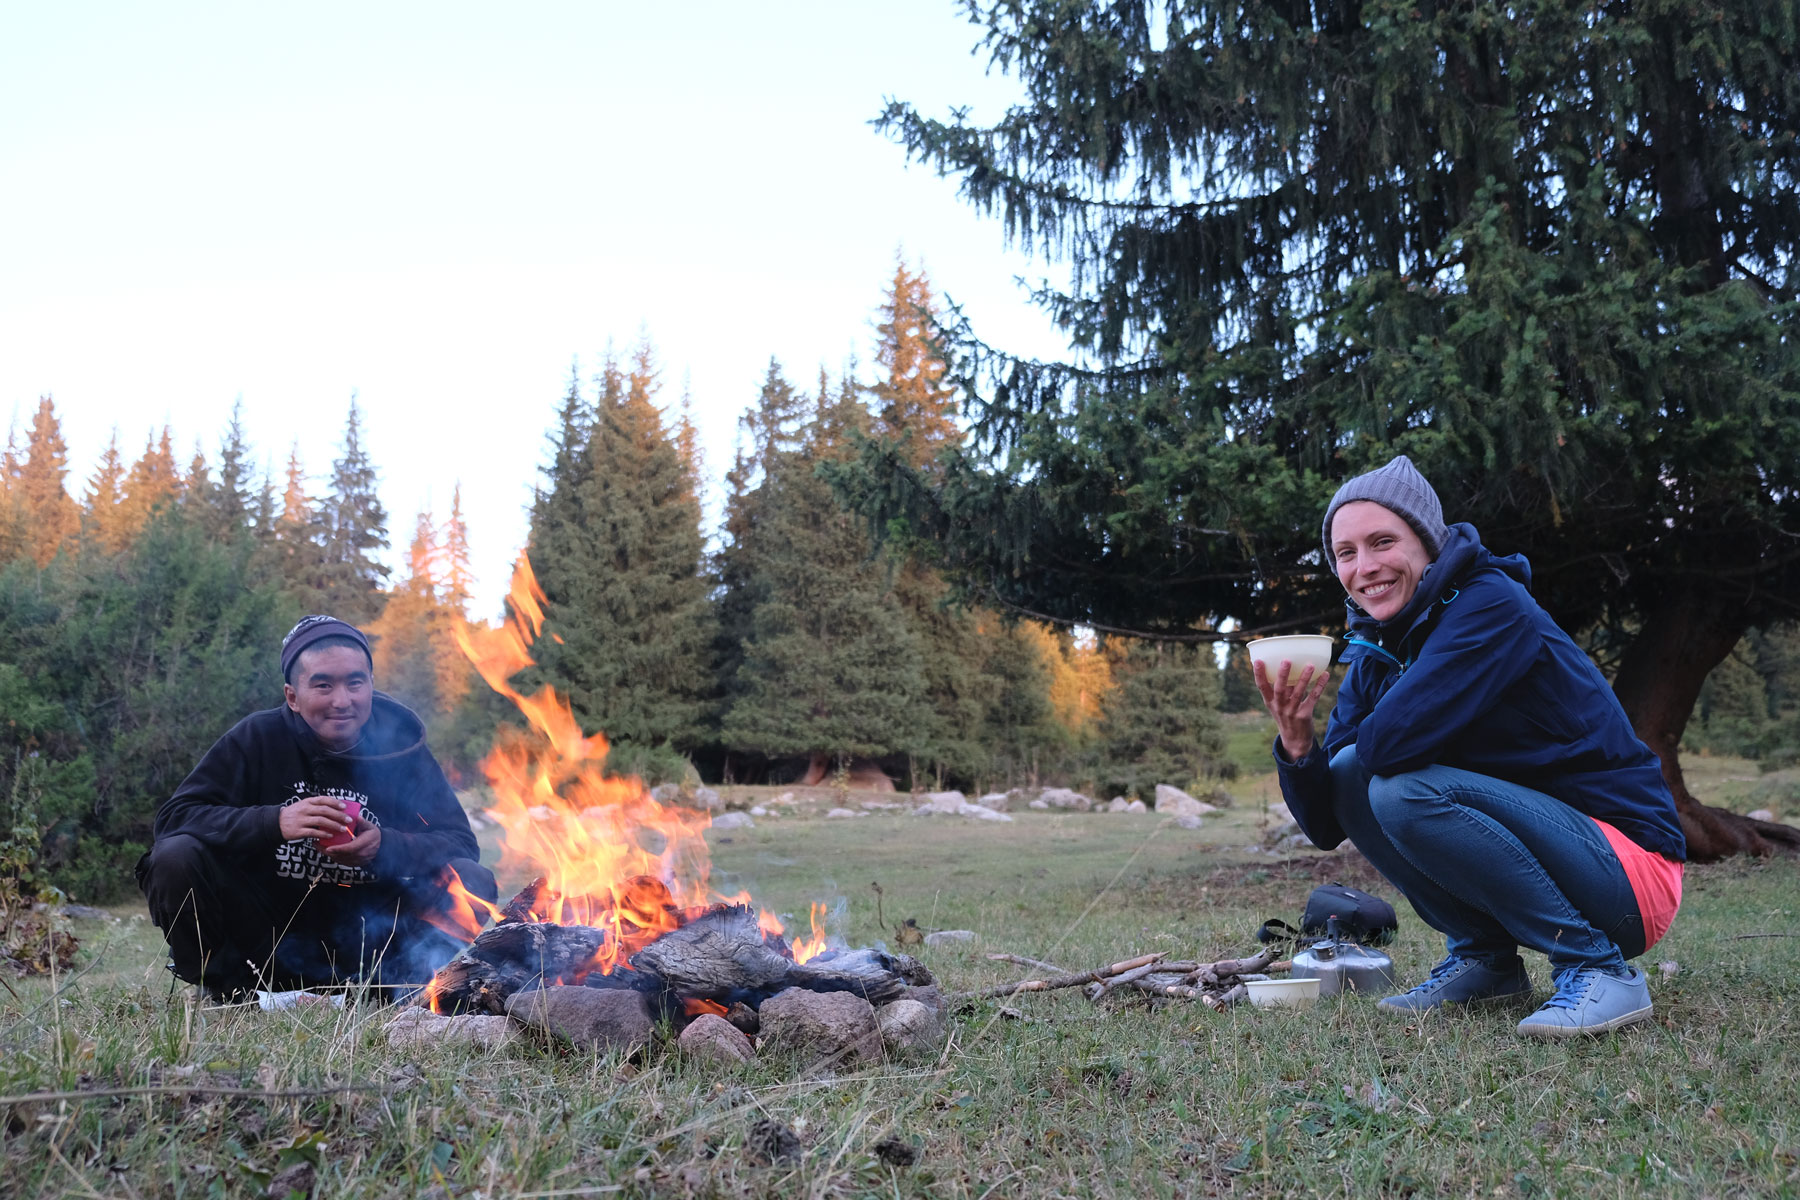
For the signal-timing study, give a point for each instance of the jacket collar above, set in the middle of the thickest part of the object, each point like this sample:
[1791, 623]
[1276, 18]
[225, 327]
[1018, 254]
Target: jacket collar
[1462, 554]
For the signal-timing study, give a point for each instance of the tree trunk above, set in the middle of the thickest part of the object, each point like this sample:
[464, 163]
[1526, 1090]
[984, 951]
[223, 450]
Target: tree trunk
[816, 770]
[1683, 638]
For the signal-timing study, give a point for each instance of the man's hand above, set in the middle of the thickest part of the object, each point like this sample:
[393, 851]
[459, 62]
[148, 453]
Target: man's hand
[1291, 703]
[313, 817]
[360, 850]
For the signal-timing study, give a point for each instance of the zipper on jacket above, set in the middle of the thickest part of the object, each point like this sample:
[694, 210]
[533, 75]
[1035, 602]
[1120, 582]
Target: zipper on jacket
[1353, 640]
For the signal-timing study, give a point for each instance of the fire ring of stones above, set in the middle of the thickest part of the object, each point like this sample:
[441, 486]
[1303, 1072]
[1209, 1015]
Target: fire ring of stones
[727, 988]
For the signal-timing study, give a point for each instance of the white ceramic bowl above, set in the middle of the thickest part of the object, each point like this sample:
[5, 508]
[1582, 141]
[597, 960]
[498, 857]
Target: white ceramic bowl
[1302, 649]
[1283, 993]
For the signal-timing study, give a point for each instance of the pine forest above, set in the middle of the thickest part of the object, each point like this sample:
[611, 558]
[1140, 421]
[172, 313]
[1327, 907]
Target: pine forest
[143, 600]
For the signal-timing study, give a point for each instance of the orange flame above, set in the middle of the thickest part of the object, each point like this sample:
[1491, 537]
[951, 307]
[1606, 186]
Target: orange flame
[608, 853]
[807, 947]
[466, 912]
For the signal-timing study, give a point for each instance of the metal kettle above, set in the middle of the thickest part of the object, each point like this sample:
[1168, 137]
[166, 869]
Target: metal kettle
[1343, 965]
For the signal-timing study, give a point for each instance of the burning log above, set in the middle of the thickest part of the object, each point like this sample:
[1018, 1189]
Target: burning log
[513, 957]
[716, 956]
[523, 907]
[876, 976]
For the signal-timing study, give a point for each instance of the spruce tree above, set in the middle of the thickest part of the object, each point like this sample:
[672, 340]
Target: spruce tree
[405, 636]
[1548, 253]
[913, 397]
[617, 548]
[830, 667]
[103, 523]
[228, 510]
[296, 540]
[153, 484]
[1019, 734]
[47, 512]
[12, 514]
[1161, 722]
[456, 584]
[768, 432]
[353, 531]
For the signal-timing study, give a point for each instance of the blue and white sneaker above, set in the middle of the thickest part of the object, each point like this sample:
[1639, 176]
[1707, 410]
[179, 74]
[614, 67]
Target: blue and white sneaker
[1459, 980]
[1589, 1000]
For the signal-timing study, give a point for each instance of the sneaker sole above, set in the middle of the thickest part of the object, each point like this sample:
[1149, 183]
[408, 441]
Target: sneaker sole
[1481, 1002]
[1569, 1031]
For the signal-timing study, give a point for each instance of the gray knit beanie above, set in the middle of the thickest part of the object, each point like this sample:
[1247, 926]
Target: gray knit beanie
[1399, 488]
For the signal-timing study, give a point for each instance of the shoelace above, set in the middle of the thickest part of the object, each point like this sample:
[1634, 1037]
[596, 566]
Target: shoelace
[1439, 973]
[1572, 987]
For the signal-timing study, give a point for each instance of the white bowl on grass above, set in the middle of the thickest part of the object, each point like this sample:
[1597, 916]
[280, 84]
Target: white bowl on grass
[1283, 993]
[1302, 649]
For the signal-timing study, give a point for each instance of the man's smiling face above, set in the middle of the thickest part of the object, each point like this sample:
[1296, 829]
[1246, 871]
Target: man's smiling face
[1378, 557]
[333, 693]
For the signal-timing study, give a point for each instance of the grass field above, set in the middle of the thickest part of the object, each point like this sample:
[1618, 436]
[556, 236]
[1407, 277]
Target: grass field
[1068, 1101]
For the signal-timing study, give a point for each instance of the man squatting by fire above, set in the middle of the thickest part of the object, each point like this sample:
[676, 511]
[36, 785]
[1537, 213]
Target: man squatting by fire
[237, 879]
[1479, 760]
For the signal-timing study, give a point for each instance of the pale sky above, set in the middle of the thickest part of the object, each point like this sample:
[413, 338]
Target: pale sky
[438, 206]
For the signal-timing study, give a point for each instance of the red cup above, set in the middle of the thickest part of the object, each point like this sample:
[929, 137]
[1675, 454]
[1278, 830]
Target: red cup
[352, 811]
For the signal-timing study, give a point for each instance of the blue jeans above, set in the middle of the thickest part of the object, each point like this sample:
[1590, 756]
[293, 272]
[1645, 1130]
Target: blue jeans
[1492, 865]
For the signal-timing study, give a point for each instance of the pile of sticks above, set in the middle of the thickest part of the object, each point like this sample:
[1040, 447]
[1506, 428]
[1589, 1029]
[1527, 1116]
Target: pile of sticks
[1218, 985]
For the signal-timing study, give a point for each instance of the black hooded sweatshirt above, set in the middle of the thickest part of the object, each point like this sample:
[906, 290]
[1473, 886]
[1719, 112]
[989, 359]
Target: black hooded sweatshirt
[232, 800]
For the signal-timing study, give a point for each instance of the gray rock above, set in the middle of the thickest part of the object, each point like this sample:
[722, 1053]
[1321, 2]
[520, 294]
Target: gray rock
[1761, 814]
[706, 798]
[843, 814]
[837, 1027]
[1136, 806]
[998, 801]
[1066, 798]
[949, 937]
[945, 802]
[1186, 821]
[928, 995]
[87, 912]
[962, 810]
[666, 793]
[711, 1038]
[1119, 804]
[909, 1028]
[586, 1018]
[1278, 813]
[1175, 802]
[733, 820]
[416, 1027]
[1038, 804]
[758, 811]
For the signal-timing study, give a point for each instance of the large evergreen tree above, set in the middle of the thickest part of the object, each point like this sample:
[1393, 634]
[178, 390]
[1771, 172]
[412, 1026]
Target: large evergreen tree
[830, 665]
[47, 514]
[617, 547]
[1547, 251]
[768, 431]
[1161, 719]
[352, 532]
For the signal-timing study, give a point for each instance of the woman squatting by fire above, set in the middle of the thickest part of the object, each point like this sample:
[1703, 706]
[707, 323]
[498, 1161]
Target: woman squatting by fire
[1477, 757]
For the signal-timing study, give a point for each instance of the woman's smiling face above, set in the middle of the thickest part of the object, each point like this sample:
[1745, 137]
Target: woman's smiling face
[1377, 556]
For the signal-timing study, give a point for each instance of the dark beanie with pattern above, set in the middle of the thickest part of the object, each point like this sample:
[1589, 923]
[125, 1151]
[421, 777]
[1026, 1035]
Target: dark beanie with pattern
[312, 630]
[1399, 488]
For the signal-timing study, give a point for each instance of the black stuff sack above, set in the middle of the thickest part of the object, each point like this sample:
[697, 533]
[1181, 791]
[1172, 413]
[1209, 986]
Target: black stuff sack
[1361, 917]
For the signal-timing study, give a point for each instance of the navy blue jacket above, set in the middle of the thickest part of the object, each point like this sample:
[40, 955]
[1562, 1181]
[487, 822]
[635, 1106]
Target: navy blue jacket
[1474, 674]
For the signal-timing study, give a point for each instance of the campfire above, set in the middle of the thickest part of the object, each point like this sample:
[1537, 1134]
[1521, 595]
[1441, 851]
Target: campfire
[620, 898]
